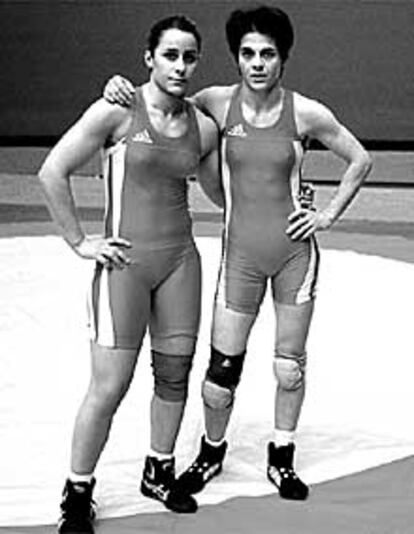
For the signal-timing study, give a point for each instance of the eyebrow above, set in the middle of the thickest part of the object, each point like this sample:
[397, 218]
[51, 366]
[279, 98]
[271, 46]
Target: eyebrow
[265, 49]
[176, 49]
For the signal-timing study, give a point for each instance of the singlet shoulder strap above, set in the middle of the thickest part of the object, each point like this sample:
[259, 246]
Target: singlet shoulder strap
[140, 109]
[230, 106]
[139, 117]
[288, 119]
[193, 131]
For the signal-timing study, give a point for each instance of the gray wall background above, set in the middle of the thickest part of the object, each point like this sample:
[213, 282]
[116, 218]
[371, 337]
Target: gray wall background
[55, 55]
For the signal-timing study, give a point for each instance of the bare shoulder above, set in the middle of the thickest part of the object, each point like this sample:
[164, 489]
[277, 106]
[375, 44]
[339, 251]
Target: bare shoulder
[311, 114]
[97, 126]
[213, 100]
[103, 111]
[102, 115]
[215, 92]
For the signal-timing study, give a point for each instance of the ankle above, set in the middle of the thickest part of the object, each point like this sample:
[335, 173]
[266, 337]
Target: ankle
[160, 456]
[283, 437]
[214, 443]
[80, 478]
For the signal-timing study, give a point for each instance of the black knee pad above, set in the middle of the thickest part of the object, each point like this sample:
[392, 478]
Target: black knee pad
[171, 373]
[225, 371]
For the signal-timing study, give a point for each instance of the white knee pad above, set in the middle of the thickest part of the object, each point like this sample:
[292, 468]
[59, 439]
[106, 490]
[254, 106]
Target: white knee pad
[217, 397]
[290, 370]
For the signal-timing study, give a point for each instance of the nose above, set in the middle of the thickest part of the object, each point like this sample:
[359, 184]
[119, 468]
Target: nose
[257, 62]
[180, 65]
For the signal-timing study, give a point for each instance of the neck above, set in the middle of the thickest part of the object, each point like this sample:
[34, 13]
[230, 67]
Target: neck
[262, 100]
[161, 101]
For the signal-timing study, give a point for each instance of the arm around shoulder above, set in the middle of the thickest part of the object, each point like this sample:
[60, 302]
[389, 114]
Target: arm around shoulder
[214, 100]
[208, 174]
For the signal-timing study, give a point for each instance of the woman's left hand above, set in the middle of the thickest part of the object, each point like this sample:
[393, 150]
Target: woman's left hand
[305, 222]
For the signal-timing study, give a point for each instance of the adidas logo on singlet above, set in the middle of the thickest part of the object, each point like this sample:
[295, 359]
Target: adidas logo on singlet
[236, 131]
[143, 137]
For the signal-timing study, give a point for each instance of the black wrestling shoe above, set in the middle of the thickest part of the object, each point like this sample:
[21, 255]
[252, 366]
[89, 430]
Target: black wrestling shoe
[77, 508]
[158, 482]
[280, 472]
[207, 465]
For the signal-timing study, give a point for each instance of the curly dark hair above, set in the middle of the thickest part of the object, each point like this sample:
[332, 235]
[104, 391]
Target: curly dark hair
[270, 21]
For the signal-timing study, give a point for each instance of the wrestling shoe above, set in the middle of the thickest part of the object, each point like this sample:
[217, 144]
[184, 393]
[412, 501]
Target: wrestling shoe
[208, 464]
[77, 508]
[280, 472]
[158, 482]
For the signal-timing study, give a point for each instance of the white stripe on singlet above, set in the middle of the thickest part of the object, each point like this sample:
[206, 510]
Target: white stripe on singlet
[105, 335]
[90, 310]
[295, 175]
[225, 175]
[114, 177]
[307, 289]
[114, 174]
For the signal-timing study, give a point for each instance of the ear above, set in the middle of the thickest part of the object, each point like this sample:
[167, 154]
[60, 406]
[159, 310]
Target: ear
[148, 59]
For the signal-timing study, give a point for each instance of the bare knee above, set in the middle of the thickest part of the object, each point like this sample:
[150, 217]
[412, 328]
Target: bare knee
[106, 395]
[112, 371]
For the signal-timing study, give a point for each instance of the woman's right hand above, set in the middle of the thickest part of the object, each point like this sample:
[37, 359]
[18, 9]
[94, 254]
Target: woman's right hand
[119, 90]
[106, 250]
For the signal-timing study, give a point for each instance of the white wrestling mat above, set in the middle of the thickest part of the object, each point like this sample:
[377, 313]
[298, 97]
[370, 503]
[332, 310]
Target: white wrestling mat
[357, 412]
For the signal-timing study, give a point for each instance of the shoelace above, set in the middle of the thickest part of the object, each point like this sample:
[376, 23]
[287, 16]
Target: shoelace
[200, 464]
[287, 472]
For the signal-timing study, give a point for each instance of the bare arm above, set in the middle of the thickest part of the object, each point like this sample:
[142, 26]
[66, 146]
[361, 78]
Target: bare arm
[80, 142]
[318, 122]
[212, 101]
[121, 90]
[208, 174]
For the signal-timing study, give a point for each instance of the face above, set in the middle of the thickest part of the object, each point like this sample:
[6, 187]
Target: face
[173, 61]
[259, 62]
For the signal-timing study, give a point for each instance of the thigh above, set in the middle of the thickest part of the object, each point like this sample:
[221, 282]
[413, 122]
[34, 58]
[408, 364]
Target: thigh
[292, 326]
[112, 369]
[241, 284]
[119, 307]
[295, 282]
[176, 304]
[240, 291]
[230, 329]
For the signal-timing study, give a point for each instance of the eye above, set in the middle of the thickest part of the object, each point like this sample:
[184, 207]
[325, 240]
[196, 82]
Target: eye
[268, 54]
[171, 55]
[246, 53]
[190, 57]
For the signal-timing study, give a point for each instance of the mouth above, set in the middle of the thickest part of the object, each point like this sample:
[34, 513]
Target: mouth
[178, 81]
[258, 77]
